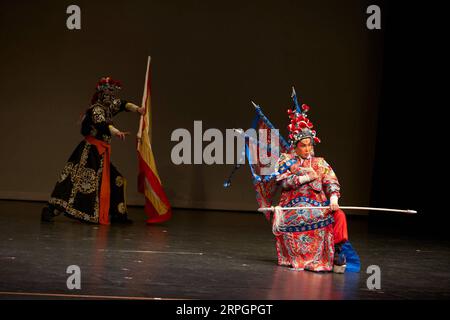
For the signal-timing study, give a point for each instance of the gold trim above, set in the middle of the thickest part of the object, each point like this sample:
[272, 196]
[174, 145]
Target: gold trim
[72, 211]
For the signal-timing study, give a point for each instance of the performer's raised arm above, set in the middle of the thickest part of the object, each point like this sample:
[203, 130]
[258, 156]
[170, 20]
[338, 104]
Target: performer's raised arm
[118, 133]
[129, 106]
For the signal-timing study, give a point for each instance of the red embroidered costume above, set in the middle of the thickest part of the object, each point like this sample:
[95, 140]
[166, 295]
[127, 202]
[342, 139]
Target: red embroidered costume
[307, 239]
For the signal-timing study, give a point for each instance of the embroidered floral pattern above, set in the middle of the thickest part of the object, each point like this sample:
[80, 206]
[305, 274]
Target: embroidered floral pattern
[121, 208]
[119, 181]
[305, 239]
[66, 172]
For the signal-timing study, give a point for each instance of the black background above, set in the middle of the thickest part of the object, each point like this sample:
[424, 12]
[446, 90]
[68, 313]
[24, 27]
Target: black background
[410, 168]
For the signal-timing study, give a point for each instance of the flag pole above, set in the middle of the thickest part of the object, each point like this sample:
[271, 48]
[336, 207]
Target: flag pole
[139, 134]
[141, 121]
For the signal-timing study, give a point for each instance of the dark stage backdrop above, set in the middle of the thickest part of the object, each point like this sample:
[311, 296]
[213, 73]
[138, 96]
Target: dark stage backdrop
[411, 158]
[209, 59]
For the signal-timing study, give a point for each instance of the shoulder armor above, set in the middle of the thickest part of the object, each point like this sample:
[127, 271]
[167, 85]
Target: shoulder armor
[98, 113]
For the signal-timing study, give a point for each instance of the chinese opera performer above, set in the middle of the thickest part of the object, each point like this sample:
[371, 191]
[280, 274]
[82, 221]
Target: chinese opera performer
[90, 188]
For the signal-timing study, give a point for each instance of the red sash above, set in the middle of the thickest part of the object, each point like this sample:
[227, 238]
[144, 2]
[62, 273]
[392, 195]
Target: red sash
[103, 148]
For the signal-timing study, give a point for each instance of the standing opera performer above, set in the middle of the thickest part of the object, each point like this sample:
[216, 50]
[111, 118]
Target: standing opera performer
[311, 239]
[90, 188]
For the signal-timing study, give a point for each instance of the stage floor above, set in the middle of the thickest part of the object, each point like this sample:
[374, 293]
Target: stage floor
[200, 255]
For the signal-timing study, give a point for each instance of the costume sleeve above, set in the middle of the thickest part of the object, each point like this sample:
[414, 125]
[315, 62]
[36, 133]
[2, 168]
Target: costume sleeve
[292, 181]
[288, 181]
[282, 169]
[114, 131]
[98, 118]
[285, 177]
[330, 181]
[123, 105]
[118, 105]
[131, 107]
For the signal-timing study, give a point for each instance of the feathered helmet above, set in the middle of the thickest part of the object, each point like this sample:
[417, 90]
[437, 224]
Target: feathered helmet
[106, 84]
[300, 126]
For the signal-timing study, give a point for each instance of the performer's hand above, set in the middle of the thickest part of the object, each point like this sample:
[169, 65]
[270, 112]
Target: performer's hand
[121, 135]
[334, 205]
[141, 110]
[299, 180]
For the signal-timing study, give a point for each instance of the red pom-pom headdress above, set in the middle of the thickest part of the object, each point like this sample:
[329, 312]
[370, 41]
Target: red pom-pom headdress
[105, 84]
[300, 127]
[108, 83]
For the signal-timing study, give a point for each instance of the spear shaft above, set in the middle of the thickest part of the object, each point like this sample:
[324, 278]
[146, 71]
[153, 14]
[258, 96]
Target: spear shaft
[341, 207]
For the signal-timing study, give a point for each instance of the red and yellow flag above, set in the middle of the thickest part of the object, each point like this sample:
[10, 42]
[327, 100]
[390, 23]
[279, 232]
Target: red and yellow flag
[157, 205]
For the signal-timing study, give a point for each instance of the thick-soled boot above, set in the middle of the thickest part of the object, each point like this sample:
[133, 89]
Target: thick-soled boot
[120, 220]
[339, 259]
[49, 212]
[123, 221]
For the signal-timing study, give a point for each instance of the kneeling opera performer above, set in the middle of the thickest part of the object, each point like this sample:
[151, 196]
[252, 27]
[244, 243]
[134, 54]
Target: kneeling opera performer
[309, 239]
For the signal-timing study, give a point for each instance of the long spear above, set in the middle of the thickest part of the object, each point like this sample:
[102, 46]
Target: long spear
[340, 207]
